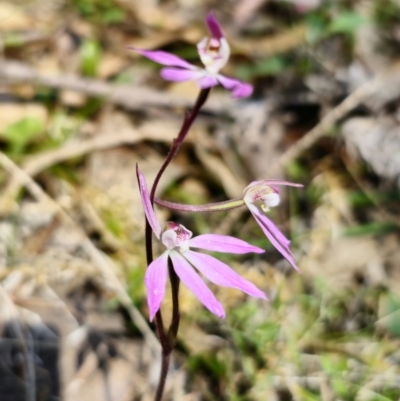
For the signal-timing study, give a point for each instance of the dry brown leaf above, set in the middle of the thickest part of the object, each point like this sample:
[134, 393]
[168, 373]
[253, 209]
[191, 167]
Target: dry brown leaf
[258, 135]
[111, 64]
[13, 18]
[377, 140]
[245, 9]
[72, 99]
[159, 17]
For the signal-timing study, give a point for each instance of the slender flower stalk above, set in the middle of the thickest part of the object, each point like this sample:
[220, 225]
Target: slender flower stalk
[214, 53]
[207, 208]
[178, 242]
[259, 197]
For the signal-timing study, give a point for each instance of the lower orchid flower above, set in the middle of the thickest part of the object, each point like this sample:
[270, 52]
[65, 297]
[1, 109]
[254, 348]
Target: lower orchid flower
[178, 242]
[214, 54]
[259, 197]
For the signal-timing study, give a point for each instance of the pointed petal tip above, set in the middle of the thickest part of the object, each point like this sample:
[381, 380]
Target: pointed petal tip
[218, 311]
[214, 26]
[256, 249]
[295, 267]
[243, 90]
[238, 88]
[146, 202]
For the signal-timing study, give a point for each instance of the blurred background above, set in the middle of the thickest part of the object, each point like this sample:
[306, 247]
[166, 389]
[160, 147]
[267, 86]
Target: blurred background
[78, 111]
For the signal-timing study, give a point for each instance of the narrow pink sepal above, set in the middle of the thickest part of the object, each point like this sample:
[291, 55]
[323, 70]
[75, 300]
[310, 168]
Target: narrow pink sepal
[238, 88]
[164, 58]
[274, 182]
[156, 280]
[214, 26]
[277, 239]
[195, 284]
[223, 243]
[221, 274]
[181, 75]
[147, 206]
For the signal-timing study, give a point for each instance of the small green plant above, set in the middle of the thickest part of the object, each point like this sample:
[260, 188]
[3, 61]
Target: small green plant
[20, 134]
[99, 11]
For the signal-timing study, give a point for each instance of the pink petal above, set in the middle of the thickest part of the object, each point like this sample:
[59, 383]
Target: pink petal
[147, 206]
[164, 58]
[195, 284]
[180, 75]
[156, 280]
[223, 243]
[274, 182]
[214, 26]
[207, 81]
[238, 88]
[221, 274]
[277, 239]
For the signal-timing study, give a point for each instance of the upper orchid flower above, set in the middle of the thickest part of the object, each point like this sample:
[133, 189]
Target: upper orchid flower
[178, 241]
[214, 54]
[264, 195]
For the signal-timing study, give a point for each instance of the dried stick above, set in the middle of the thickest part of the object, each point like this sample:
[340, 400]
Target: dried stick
[372, 91]
[128, 96]
[47, 159]
[100, 260]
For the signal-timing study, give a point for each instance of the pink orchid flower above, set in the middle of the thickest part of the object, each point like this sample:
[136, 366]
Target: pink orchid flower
[214, 54]
[259, 197]
[178, 242]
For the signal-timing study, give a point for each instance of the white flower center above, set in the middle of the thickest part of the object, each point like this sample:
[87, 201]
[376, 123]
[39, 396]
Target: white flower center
[214, 53]
[176, 236]
[269, 196]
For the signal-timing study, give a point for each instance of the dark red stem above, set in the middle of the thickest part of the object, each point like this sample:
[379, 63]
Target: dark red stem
[167, 340]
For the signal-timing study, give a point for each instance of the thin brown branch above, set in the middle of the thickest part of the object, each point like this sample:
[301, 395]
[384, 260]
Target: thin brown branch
[128, 96]
[47, 159]
[379, 90]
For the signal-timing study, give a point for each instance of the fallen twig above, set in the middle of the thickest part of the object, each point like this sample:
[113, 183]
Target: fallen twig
[128, 96]
[376, 92]
[47, 159]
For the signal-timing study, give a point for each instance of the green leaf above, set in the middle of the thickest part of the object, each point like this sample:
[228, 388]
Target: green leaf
[267, 67]
[375, 228]
[21, 133]
[316, 28]
[270, 66]
[90, 53]
[393, 314]
[113, 16]
[347, 23]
